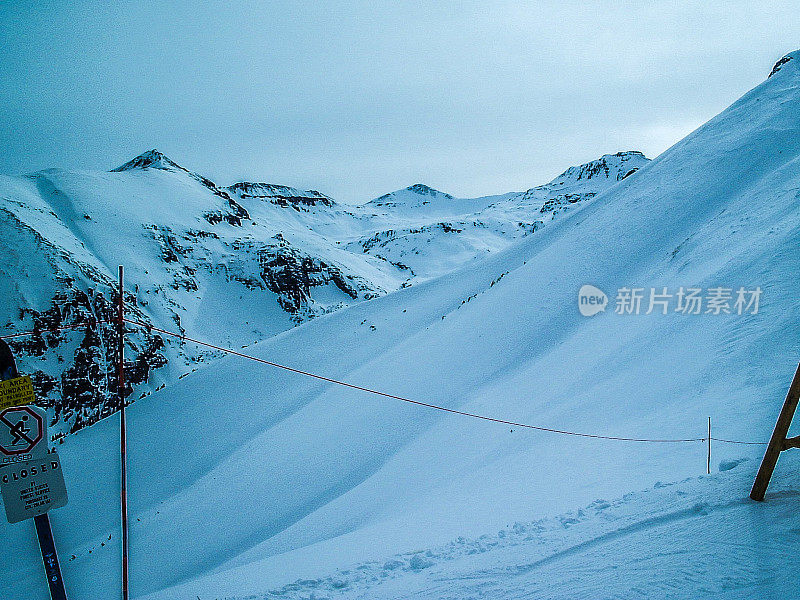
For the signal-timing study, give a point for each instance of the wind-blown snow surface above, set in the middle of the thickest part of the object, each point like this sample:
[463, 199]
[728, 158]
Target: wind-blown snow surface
[697, 538]
[244, 479]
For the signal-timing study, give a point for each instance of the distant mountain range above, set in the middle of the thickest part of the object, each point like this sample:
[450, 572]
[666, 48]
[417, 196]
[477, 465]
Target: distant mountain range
[238, 264]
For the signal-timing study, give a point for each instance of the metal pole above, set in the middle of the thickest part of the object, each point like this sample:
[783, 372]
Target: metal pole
[708, 462]
[44, 532]
[122, 433]
[778, 440]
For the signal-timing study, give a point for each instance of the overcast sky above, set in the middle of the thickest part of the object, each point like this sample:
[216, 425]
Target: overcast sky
[359, 98]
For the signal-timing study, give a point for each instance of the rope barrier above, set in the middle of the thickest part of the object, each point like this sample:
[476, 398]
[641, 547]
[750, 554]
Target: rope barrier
[392, 396]
[418, 402]
[724, 441]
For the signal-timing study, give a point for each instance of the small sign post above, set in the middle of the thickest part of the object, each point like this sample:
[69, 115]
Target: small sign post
[31, 482]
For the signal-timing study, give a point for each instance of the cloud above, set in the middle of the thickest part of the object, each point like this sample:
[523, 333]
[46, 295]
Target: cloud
[358, 99]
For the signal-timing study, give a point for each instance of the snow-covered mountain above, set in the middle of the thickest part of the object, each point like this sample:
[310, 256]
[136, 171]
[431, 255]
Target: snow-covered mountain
[240, 263]
[429, 233]
[248, 481]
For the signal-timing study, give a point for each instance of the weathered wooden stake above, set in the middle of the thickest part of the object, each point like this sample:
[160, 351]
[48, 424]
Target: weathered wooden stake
[778, 442]
[708, 462]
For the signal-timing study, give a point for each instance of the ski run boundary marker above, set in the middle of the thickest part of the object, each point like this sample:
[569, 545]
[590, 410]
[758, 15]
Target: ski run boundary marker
[427, 404]
[393, 396]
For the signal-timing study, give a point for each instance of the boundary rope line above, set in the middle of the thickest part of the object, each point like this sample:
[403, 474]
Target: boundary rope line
[724, 441]
[418, 402]
[387, 395]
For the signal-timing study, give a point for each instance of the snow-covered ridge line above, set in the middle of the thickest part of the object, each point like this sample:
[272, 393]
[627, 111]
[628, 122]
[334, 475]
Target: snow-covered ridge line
[608, 166]
[783, 61]
[194, 249]
[280, 194]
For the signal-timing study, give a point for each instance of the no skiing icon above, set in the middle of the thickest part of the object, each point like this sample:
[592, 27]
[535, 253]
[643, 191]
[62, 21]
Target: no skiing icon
[22, 429]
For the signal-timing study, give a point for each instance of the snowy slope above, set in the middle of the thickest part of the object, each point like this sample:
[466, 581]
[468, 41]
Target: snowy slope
[245, 479]
[241, 263]
[710, 542]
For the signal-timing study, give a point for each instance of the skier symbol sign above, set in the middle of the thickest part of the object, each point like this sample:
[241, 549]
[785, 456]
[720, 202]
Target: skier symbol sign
[23, 432]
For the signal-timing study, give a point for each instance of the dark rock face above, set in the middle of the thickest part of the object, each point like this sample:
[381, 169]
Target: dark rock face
[152, 159]
[532, 227]
[292, 275]
[86, 388]
[231, 218]
[281, 195]
[424, 190]
[604, 167]
[779, 65]
[387, 200]
[554, 205]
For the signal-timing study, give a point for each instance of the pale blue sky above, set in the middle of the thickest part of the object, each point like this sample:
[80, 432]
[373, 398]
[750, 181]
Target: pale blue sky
[360, 98]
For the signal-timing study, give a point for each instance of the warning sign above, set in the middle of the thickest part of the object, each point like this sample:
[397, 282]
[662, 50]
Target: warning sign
[16, 392]
[32, 488]
[23, 430]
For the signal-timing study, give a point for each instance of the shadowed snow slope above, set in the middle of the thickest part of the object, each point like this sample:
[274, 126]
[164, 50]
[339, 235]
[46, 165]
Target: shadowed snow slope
[698, 538]
[269, 477]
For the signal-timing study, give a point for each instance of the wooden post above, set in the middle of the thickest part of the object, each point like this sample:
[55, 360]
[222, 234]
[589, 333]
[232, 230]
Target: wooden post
[708, 462]
[778, 442]
[123, 443]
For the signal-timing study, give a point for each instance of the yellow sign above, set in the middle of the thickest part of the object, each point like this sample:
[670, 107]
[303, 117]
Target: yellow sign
[16, 392]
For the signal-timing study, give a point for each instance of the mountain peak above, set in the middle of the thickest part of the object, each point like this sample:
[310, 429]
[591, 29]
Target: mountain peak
[410, 194]
[425, 190]
[615, 166]
[152, 159]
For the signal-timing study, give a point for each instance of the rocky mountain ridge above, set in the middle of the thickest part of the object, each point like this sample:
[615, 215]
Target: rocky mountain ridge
[237, 264]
